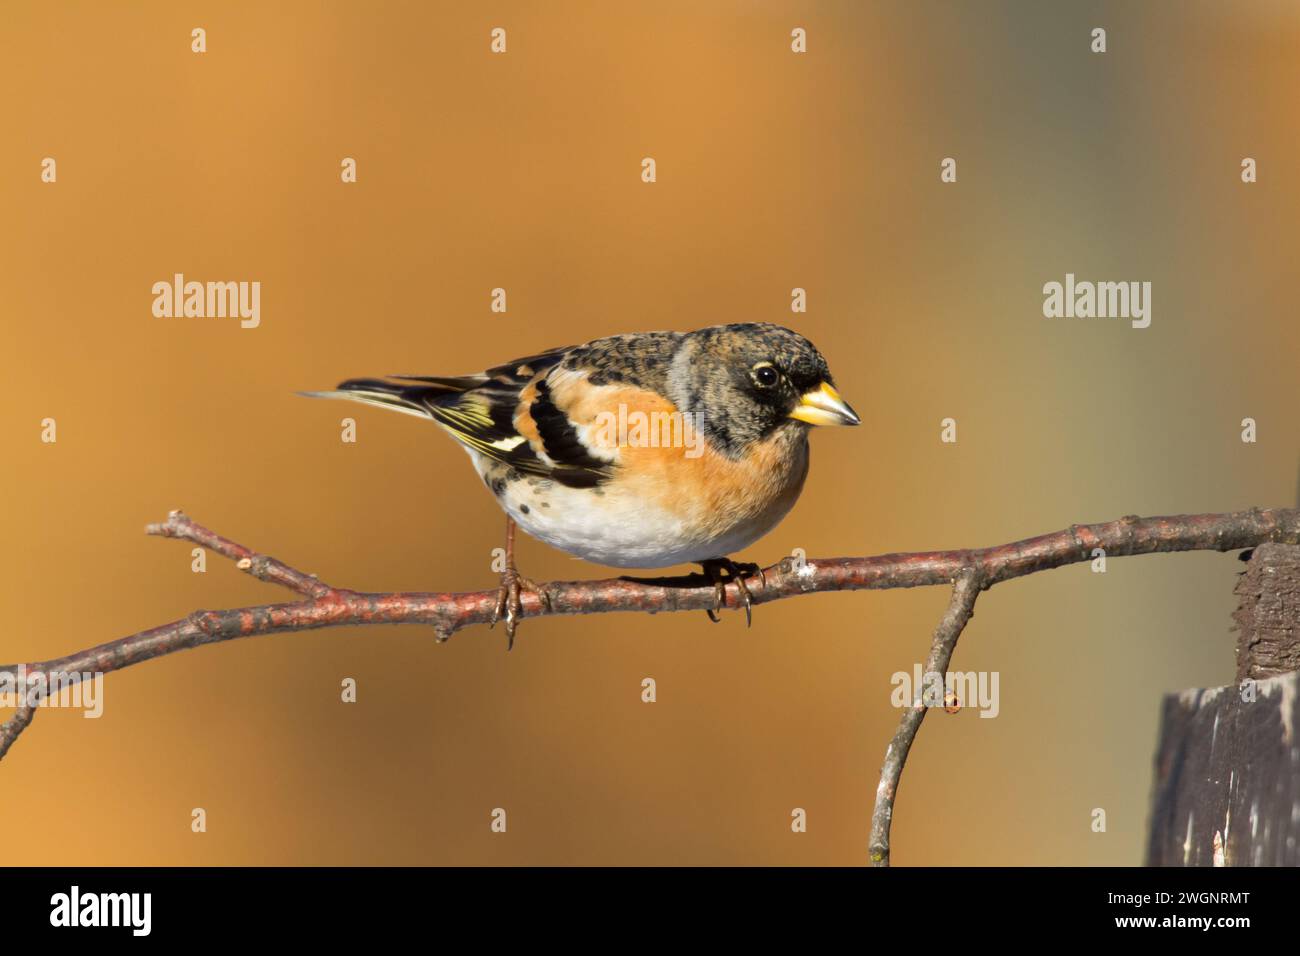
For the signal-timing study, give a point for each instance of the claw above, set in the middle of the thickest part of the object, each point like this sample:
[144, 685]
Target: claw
[719, 601]
[510, 603]
[744, 596]
[735, 572]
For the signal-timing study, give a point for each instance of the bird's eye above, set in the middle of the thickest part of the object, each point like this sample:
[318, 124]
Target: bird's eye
[765, 376]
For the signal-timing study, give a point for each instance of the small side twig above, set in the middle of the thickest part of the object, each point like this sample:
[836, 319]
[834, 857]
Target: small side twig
[961, 608]
[261, 566]
[15, 725]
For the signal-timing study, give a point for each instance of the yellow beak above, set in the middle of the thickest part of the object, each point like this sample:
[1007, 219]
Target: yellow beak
[823, 406]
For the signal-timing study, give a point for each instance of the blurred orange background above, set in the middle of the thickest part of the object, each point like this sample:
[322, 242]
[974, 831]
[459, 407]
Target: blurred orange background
[776, 170]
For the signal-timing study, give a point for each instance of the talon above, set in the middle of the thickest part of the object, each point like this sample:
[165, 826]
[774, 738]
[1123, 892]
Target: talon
[510, 603]
[508, 606]
[745, 598]
[749, 569]
[500, 605]
[719, 601]
[512, 619]
[528, 584]
[735, 572]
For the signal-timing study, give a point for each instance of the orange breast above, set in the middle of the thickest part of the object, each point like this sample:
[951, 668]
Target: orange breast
[664, 461]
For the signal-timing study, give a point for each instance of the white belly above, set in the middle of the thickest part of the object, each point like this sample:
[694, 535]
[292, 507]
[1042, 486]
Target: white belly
[606, 527]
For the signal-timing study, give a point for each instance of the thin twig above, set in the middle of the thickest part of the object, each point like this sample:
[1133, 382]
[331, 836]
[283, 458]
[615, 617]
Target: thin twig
[15, 725]
[961, 608]
[260, 566]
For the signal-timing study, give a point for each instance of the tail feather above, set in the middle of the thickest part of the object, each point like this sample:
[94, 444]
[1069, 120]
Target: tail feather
[418, 400]
[456, 383]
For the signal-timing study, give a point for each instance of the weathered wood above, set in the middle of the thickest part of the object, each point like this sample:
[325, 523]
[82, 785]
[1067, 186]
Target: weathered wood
[1227, 774]
[1268, 615]
[1229, 769]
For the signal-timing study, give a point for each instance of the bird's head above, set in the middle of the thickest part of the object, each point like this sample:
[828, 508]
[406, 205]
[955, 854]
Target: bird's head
[751, 380]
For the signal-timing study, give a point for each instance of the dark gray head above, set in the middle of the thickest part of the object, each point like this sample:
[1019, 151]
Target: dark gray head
[750, 380]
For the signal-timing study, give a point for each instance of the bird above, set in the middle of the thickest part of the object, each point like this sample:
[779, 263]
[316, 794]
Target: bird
[638, 450]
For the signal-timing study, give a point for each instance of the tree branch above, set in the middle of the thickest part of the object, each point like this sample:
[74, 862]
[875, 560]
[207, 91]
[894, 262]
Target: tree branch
[968, 571]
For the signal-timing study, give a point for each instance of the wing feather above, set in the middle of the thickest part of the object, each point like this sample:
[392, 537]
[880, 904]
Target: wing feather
[480, 411]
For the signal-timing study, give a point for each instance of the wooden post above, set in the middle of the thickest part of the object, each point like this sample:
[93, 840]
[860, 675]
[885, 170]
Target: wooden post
[1227, 774]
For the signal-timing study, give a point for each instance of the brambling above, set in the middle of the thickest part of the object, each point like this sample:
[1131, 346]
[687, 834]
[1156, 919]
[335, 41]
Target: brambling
[636, 451]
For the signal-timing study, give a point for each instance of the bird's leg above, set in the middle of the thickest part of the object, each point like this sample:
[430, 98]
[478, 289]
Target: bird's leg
[737, 572]
[509, 602]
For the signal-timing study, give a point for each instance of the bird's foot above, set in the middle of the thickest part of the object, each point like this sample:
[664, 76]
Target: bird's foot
[510, 605]
[735, 571]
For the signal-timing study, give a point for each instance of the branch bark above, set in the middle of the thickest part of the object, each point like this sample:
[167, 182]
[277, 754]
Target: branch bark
[968, 571]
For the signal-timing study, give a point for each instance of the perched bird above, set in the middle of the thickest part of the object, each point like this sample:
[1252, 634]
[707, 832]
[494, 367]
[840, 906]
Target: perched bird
[636, 451]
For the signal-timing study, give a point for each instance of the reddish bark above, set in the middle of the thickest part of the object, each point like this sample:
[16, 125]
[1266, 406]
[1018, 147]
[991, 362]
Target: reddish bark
[972, 570]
